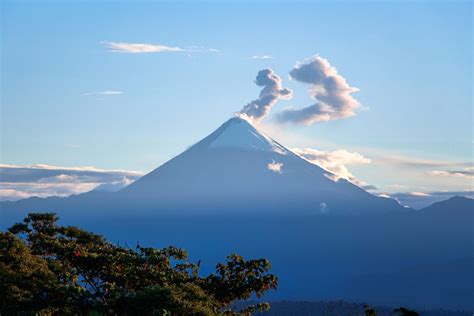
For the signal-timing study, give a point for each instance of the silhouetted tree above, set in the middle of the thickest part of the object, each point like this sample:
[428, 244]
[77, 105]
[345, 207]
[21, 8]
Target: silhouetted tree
[405, 312]
[54, 269]
[369, 310]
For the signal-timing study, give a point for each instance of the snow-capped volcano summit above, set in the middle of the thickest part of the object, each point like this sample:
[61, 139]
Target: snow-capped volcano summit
[239, 133]
[239, 168]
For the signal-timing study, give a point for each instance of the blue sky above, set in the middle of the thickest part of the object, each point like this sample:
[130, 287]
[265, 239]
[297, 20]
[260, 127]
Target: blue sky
[412, 62]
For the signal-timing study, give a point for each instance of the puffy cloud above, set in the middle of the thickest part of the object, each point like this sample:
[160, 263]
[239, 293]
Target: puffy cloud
[334, 161]
[18, 182]
[330, 90]
[272, 91]
[275, 166]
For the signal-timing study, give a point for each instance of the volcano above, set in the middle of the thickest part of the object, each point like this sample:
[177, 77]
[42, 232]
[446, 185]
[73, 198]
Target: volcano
[235, 169]
[238, 168]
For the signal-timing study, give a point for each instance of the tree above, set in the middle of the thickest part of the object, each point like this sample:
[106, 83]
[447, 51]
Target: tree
[49, 268]
[369, 310]
[25, 279]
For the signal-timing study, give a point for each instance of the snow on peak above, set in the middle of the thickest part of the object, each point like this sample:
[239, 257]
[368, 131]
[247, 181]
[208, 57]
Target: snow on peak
[239, 133]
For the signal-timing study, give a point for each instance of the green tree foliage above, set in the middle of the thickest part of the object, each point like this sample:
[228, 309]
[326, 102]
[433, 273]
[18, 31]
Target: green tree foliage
[53, 269]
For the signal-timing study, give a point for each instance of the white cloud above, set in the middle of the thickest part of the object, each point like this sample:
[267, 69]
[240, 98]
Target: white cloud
[139, 48]
[12, 195]
[465, 173]
[332, 93]
[323, 208]
[146, 48]
[104, 93]
[334, 161]
[415, 162]
[275, 166]
[114, 186]
[414, 174]
[110, 92]
[261, 57]
[82, 168]
[200, 49]
[62, 178]
[10, 191]
[212, 50]
[271, 92]
[419, 194]
[18, 182]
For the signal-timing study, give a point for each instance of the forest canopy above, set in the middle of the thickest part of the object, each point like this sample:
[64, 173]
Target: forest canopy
[52, 269]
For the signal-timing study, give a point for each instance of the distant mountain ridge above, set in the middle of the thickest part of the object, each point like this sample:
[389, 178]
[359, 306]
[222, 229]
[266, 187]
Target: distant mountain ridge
[455, 203]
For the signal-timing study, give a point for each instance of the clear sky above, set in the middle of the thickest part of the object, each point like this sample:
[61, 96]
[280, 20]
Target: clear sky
[69, 99]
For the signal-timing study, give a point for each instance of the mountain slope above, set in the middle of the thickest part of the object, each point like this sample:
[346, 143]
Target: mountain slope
[238, 168]
[234, 169]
